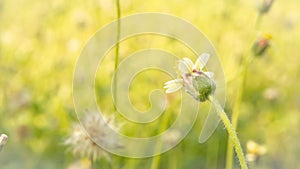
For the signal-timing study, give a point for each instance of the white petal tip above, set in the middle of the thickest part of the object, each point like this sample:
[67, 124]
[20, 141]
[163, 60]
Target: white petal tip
[210, 74]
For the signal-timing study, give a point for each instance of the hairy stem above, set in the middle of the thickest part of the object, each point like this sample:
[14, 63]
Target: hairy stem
[231, 132]
[235, 115]
[248, 58]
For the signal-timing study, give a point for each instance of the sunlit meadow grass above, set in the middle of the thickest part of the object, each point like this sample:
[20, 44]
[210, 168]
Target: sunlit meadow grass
[41, 40]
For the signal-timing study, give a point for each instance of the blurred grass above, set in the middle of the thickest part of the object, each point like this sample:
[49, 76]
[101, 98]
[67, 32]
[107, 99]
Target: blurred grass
[41, 40]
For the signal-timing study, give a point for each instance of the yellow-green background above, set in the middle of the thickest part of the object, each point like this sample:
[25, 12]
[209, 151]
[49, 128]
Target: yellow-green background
[40, 41]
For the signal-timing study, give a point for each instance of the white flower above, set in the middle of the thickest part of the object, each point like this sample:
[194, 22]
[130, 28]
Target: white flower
[254, 151]
[196, 81]
[82, 144]
[3, 139]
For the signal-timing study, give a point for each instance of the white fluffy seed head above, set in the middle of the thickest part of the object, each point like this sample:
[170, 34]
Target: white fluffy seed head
[85, 145]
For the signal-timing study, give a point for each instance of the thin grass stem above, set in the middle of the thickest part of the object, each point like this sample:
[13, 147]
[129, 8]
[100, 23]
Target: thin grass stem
[118, 7]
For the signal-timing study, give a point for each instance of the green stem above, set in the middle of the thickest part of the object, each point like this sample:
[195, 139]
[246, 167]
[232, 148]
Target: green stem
[236, 113]
[118, 33]
[116, 162]
[91, 161]
[212, 154]
[131, 163]
[117, 47]
[248, 50]
[174, 158]
[257, 21]
[248, 58]
[156, 159]
[155, 162]
[231, 132]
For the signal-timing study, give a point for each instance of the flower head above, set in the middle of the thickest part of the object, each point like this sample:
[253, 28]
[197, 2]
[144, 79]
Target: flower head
[3, 139]
[197, 82]
[85, 145]
[271, 94]
[254, 151]
[261, 45]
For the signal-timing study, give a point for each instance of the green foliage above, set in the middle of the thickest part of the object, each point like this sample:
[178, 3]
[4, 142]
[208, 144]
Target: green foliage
[40, 41]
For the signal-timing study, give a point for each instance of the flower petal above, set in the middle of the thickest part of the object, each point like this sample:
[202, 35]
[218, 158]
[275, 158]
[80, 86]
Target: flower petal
[173, 85]
[174, 89]
[210, 74]
[201, 61]
[183, 67]
[174, 81]
[189, 63]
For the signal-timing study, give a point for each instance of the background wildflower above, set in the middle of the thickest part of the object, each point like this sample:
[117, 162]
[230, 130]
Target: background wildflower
[271, 94]
[3, 139]
[35, 56]
[254, 151]
[85, 145]
[261, 45]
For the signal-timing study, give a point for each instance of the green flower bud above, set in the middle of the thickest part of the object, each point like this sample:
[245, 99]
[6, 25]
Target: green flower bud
[204, 86]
